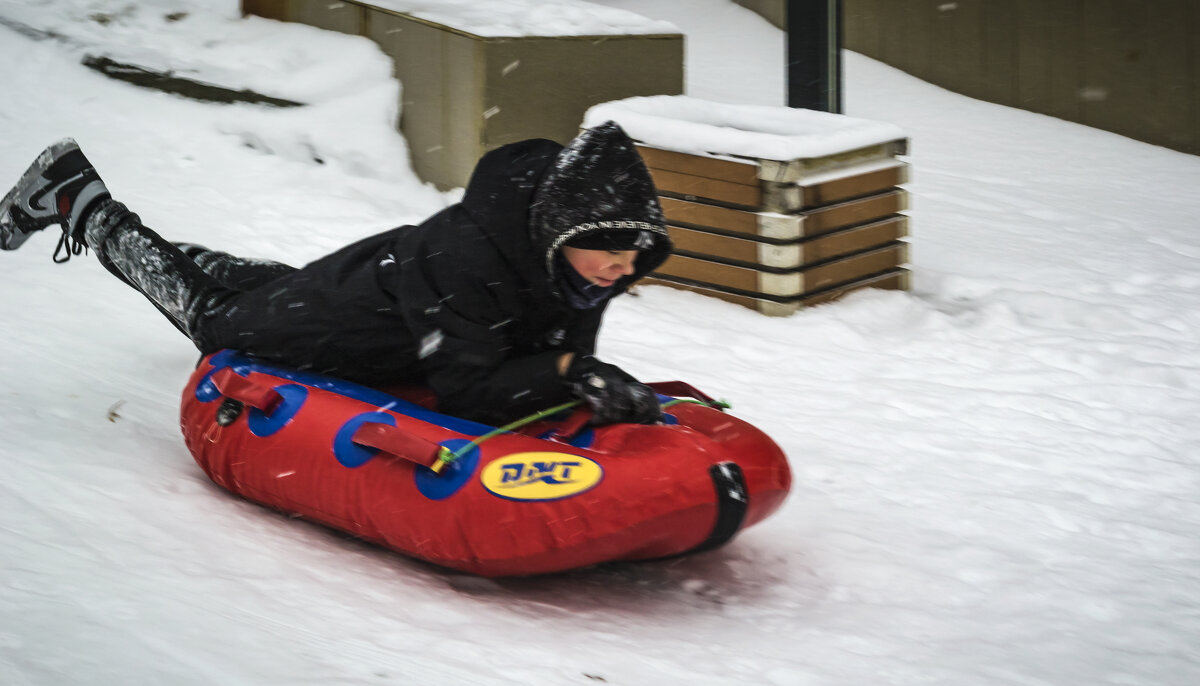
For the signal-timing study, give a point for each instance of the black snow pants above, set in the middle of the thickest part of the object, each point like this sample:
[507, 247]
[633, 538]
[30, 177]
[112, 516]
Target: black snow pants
[212, 297]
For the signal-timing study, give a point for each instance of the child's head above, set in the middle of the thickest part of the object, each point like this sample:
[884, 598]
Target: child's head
[597, 205]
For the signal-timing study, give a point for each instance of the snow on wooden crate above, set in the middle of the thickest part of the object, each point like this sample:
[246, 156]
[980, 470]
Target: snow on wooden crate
[763, 158]
[802, 141]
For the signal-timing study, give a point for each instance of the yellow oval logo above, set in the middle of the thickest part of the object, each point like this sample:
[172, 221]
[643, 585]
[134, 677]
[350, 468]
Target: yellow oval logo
[540, 476]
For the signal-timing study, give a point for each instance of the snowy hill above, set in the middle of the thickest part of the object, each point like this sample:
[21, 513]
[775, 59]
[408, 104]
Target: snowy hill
[996, 475]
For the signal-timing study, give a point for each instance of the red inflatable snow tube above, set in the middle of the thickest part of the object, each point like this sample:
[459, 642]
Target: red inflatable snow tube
[545, 498]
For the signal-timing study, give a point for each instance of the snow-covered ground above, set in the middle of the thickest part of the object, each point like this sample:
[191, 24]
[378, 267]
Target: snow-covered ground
[997, 474]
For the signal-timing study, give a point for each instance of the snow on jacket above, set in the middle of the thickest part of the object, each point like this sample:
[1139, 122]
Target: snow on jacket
[464, 302]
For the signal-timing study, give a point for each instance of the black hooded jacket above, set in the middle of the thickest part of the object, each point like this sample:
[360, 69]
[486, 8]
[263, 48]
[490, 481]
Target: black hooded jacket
[464, 302]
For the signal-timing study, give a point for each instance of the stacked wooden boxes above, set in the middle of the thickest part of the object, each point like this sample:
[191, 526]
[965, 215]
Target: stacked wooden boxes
[777, 235]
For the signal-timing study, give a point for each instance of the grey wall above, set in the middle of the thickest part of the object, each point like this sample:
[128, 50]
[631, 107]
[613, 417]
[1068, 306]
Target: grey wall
[1127, 66]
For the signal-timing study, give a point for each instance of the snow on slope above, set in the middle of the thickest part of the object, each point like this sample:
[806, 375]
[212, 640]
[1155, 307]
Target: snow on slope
[996, 474]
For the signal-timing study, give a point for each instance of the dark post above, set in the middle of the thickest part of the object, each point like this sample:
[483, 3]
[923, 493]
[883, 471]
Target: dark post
[814, 58]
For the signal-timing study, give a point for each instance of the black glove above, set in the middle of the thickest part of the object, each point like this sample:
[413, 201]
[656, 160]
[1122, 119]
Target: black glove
[614, 396]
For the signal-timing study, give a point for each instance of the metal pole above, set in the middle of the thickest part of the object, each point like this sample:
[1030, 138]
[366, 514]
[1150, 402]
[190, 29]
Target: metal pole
[814, 58]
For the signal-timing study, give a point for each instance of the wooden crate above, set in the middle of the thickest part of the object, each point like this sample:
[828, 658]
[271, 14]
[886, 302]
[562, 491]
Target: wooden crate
[779, 235]
[895, 280]
[790, 254]
[784, 283]
[771, 207]
[784, 227]
[772, 196]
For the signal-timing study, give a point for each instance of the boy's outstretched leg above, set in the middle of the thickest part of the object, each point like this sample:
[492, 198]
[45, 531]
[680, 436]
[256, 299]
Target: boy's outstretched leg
[231, 271]
[259, 307]
[179, 288]
[58, 188]
[61, 187]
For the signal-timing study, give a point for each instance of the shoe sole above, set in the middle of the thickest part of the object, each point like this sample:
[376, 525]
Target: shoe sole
[13, 236]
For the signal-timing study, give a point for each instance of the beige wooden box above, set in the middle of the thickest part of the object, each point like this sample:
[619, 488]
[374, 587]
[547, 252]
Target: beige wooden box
[465, 94]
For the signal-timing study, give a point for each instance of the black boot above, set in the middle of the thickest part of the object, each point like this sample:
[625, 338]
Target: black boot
[58, 188]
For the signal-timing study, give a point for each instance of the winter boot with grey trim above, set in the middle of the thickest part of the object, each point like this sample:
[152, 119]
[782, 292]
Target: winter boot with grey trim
[58, 188]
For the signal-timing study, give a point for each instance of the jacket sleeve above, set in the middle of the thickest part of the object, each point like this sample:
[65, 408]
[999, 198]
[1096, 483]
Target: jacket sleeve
[513, 387]
[582, 339]
[497, 395]
[465, 349]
